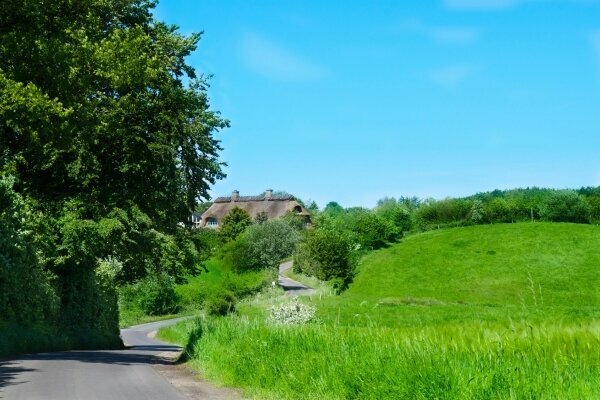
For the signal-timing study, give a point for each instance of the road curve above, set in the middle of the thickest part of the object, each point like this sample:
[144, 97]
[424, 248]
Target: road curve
[290, 286]
[92, 375]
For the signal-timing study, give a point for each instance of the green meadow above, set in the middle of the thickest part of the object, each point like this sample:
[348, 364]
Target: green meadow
[503, 311]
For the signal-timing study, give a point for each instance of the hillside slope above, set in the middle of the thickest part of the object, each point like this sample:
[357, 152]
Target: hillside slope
[488, 271]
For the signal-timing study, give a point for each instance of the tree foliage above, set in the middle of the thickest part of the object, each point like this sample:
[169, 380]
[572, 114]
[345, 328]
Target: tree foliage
[109, 135]
[234, 223]
[328, 255]
[27, 293]
[565, 206]
[264, 245]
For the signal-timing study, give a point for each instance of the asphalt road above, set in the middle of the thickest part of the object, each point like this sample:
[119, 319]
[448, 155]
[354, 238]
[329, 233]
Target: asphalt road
[92, 375]
[290, 286]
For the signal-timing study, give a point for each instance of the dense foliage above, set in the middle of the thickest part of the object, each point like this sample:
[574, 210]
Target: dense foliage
[263, 245]
[581, 206]
[27, 293]
[328, 255]
[153, 295]
[234, 224]
[109, 136]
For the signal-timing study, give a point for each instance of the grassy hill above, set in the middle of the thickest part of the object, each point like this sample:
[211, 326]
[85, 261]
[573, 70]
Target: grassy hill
[482, 312]
[524, 270]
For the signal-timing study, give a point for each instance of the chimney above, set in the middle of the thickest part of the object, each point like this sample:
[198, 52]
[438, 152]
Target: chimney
[235, 195]
[268, 194]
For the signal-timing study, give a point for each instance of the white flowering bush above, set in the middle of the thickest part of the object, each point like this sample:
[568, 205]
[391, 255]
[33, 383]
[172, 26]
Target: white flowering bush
[292, 312]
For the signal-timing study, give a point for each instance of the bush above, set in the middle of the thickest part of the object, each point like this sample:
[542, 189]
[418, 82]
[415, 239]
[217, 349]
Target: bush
[292, 313]
[27, 292]
[153, 295]
[326, 254]
[262, 246]
[498, 210]
[565, 206]
[220, 304]
[234, 224]
[477, 212]
[370, 230]
[449, 211]
[396, 213]
[594, 203]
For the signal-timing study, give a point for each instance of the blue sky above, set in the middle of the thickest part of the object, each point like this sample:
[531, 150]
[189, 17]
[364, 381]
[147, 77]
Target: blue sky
[356, 100]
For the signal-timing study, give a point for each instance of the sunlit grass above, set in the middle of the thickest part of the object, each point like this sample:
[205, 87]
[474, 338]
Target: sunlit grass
[487, 312]
[339, 362]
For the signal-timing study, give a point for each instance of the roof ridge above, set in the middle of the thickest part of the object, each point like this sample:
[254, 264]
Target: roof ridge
[228, 199]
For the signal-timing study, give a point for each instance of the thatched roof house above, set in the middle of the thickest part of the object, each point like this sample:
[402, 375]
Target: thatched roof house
[270, 205]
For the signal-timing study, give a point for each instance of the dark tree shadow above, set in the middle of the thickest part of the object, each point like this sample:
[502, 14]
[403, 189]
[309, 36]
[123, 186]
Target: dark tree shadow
[9, 372]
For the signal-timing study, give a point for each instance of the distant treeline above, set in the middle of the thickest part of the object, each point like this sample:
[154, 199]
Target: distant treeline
[392, 217]
[539, 204]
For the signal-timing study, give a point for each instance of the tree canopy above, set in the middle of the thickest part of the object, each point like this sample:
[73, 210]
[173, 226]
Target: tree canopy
[109, 136]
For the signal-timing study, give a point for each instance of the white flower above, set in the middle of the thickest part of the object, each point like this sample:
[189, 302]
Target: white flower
[292, 312]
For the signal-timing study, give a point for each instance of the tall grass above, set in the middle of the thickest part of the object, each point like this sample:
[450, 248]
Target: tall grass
[472, 361]
[431, 317]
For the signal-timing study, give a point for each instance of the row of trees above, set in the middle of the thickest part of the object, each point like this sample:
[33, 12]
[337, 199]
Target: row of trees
[106, 143]
[582, 206]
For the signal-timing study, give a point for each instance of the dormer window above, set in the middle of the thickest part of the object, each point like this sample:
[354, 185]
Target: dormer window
[297, 209]
[212, 222]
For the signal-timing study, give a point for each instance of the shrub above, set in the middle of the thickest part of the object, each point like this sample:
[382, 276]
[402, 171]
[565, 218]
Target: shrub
[565, 206]
[594, 203]
[326, 254]
[220, 304]
[370, 230]
[396, 213]
[262, 246]
[153, 295]
[292, 313]
[477, 212]
[498, 210]
[443, 212]
[294, 220]
[234, 224]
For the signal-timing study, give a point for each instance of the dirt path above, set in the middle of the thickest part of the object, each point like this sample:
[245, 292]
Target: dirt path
[290, 286]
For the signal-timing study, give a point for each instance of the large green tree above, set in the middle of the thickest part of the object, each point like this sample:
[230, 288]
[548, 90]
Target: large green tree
[109, 135]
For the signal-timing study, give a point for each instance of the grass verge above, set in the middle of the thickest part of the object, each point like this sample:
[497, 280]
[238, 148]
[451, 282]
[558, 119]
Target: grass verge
[475, 361]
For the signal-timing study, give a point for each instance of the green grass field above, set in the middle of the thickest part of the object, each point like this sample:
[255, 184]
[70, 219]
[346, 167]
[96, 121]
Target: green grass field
[490, 312]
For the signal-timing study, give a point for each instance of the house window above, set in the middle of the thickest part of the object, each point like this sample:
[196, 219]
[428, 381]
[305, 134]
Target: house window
[212, 222]
[297, 209]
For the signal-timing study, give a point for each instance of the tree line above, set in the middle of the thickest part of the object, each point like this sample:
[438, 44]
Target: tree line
[106, 145]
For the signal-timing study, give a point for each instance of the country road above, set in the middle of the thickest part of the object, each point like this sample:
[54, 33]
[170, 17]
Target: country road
[290, 286]
[93, 375]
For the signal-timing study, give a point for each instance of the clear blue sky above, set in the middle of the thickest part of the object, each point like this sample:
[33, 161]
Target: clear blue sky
[356, 100]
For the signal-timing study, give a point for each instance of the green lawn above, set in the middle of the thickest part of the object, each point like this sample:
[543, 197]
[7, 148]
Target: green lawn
[492, 312]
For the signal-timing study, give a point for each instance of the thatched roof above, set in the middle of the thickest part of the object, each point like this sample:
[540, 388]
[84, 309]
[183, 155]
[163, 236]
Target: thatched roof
[228, 199]
[274, 206]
